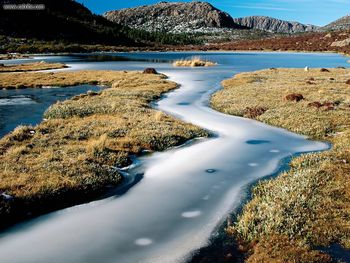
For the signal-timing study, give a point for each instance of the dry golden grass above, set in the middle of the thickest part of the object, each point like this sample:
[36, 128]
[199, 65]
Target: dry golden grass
[310, 204]
[10, 56]
[67, 78]
[31, 67]
[194, 62]
[75, 151]
[279, 249]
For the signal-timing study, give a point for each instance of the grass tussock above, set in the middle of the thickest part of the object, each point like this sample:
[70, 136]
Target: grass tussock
[194, 62]
[31, 67]
[309, 205]
[66, 78]
[83, 141]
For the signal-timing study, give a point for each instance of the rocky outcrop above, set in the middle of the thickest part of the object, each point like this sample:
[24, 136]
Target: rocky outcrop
[273, 25]
[340, 24]
[173, 17]
[341, 43]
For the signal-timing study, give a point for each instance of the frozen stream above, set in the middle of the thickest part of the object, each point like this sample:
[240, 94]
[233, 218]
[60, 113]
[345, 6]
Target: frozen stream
[185, 193]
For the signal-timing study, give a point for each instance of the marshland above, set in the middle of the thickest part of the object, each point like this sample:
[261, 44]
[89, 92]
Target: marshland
[307, 206]
[133, 148]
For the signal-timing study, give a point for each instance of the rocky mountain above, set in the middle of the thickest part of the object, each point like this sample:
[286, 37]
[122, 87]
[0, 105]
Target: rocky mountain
[273, 25]
[173, 17]
[340, 24]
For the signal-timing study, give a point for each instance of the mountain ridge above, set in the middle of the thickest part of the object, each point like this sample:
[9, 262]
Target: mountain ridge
[342, 23]
[274, 25]
[174, 17]
[189, 17]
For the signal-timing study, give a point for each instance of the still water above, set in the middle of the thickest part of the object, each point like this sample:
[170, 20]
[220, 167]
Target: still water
[26, 107]
[186, 192]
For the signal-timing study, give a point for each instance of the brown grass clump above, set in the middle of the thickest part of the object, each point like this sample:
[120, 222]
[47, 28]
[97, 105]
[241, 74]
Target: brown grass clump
[75, 153]
[31, 67]
[253, 112]
[309, 205]
[295, 97]
[315, 104]
[194, 62]
[310, 82]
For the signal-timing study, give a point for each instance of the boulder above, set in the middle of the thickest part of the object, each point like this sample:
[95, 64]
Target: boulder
[341, 43]
[150, 71]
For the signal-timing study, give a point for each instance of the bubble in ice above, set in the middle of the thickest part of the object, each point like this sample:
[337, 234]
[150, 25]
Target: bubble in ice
[253, 164]
[206, 197]
[191, 214]
[274, 151]
[143, 241]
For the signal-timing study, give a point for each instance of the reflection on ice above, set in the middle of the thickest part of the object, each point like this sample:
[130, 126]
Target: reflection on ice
[257, 142]
[16, 100]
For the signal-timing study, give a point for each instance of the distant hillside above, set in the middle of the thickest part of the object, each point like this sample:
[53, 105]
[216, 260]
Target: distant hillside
[316, 41]
[173, 17]
[273, 25]
[60, 20]
[340, 24]
[69, 21]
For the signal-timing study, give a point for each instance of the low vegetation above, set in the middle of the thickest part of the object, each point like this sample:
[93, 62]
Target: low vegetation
[194, 62]
[64, 78]
[76, 151]
[314, 42]
[30, 67]
[10, 56]
[308, 206]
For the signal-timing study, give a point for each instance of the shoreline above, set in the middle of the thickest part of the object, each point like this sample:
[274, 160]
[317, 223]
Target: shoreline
[239, 79]
[308, 42]
[30, 67]
[225, 248]
[33, 55]
[113, 150]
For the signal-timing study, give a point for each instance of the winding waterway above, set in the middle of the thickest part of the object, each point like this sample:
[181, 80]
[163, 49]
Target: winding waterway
[186, 192]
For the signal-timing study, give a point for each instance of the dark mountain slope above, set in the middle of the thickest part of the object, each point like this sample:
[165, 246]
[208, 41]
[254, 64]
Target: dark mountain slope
[60, 20]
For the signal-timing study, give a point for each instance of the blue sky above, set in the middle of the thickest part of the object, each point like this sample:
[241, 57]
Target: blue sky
[317, 12]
